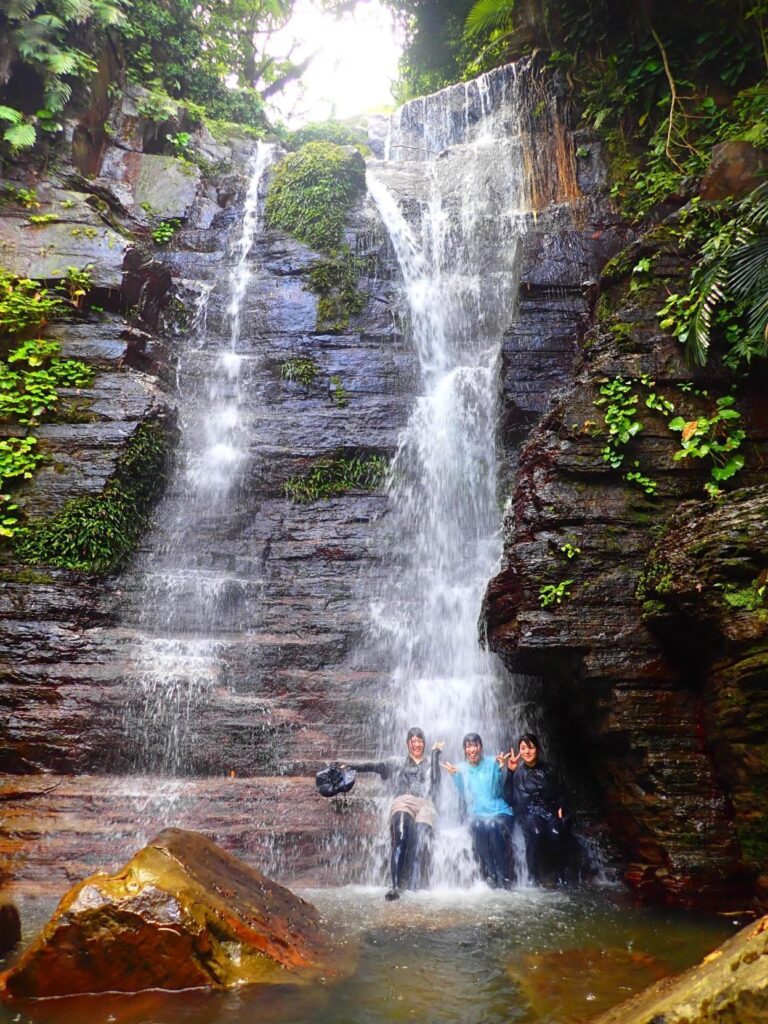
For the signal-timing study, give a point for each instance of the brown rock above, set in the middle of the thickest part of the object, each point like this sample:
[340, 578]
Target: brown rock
[182, 913]
[10, 926]
[729, 985]
[736, 168]
[568, 985]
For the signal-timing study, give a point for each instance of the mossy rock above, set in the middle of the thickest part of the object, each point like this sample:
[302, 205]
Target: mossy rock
[312, 192]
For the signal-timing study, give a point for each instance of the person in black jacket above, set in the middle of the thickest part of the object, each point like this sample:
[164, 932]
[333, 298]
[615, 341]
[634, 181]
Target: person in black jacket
[415, 783]
[535, 791]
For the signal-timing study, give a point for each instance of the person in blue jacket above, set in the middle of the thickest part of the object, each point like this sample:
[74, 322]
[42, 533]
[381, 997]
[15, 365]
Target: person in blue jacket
[480, 783]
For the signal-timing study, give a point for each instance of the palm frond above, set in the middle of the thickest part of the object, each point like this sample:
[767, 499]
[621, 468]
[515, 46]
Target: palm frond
[711, 288]
[9, 114]
[749, 264]
[487, 15]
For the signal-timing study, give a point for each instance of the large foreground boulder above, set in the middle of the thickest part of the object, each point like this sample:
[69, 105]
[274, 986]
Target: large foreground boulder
[730, 986]
[10, 926]
[182, 913]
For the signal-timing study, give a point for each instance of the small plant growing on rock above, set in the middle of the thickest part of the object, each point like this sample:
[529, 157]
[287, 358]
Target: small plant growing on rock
[570, 551]
[26, 197]
[554, 593]
[299, 370]
[165, 230]
[338, 393]
[332, 477]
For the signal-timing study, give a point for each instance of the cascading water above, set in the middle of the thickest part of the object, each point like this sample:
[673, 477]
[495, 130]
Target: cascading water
[187, 599]
[458, 256]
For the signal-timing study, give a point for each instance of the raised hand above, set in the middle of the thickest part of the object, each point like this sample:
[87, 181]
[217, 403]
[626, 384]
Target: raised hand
[450, 768]
[501, 758]
[513, 759]
[438, 746]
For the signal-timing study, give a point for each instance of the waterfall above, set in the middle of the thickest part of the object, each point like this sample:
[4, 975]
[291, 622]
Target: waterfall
[189, 603]
[458, 254]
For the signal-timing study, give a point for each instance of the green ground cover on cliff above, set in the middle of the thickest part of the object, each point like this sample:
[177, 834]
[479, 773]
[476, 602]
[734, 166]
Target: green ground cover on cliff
[98, 533]
[32, 376]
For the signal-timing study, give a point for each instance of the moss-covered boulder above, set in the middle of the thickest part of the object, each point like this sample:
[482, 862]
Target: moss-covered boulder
[182, 913]
[729, 986]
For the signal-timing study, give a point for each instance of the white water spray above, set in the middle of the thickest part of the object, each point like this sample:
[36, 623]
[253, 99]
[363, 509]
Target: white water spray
[458, 259]
[187, 597]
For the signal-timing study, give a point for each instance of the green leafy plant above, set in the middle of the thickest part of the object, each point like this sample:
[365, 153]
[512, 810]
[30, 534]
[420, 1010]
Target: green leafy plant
[570, 551]
[165, 230]
[338, 393]
[299, 370]
[335, 476]
[620, 403]
[554, 593]
[77, 283]
[179, 142]
[25, 305]
[35, 352]
[26, 197]
[715, 437]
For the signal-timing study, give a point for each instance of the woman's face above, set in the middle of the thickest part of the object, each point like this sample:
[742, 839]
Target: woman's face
[473, 751]
[416, 747]
[529, 753]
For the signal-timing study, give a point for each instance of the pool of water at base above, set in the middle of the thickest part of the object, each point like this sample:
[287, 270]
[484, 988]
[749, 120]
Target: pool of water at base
[528, 956]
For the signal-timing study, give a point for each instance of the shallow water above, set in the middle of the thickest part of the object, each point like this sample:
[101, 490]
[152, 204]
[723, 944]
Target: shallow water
[443, 957]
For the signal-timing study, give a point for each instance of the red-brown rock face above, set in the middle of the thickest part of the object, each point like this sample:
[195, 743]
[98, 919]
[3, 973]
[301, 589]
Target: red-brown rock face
[647, 733]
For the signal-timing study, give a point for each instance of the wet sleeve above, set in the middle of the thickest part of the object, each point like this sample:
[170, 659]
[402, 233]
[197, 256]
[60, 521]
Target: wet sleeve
[497, 780]
[382, 768]
[435, 780]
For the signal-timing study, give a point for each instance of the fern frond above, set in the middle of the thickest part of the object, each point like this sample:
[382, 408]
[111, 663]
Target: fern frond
[18, 10]
[75, 10]
[63, 62]
[487, 15]
[9, 114]
[20, 136]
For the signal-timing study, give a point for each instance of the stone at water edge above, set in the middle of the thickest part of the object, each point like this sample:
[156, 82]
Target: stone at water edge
[729, 986]
[10, 926]
[181, 913]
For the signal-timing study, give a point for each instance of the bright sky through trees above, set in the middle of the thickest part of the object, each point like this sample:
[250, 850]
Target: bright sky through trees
[355, 65]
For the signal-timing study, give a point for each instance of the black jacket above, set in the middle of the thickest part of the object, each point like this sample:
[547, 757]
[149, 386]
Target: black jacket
[405, 775]
[529, 790]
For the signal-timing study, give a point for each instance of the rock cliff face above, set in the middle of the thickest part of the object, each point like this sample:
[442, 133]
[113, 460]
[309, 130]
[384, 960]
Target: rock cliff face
[665, 741]
[667, 727]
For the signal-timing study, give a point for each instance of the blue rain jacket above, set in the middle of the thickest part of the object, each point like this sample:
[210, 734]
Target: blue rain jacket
[481, 785]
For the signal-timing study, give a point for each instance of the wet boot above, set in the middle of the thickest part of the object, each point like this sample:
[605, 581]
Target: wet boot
[401, 828]
[422, 857]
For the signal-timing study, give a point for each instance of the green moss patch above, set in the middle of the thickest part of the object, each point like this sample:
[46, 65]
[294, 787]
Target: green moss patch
[312, 192]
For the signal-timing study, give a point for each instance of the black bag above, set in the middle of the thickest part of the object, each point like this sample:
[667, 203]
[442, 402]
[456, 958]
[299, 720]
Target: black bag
[334, 780]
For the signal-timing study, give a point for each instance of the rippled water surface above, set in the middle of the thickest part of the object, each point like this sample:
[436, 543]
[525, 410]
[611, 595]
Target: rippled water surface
[444, 957]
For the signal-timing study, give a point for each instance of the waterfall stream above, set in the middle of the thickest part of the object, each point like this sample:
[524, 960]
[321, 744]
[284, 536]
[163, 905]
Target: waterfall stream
[187, 601]
[458, 254]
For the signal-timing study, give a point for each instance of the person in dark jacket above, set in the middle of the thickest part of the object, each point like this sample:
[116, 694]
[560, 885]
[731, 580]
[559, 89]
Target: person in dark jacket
[535, 791]
[415, 783]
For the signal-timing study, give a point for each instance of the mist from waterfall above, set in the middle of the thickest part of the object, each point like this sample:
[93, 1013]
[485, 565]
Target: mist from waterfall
[458, 254]
[188, 602]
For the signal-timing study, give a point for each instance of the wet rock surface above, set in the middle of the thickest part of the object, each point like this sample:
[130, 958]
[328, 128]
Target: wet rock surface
[182, 913]
[651, 733]
[10, 926]
[730, 984]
